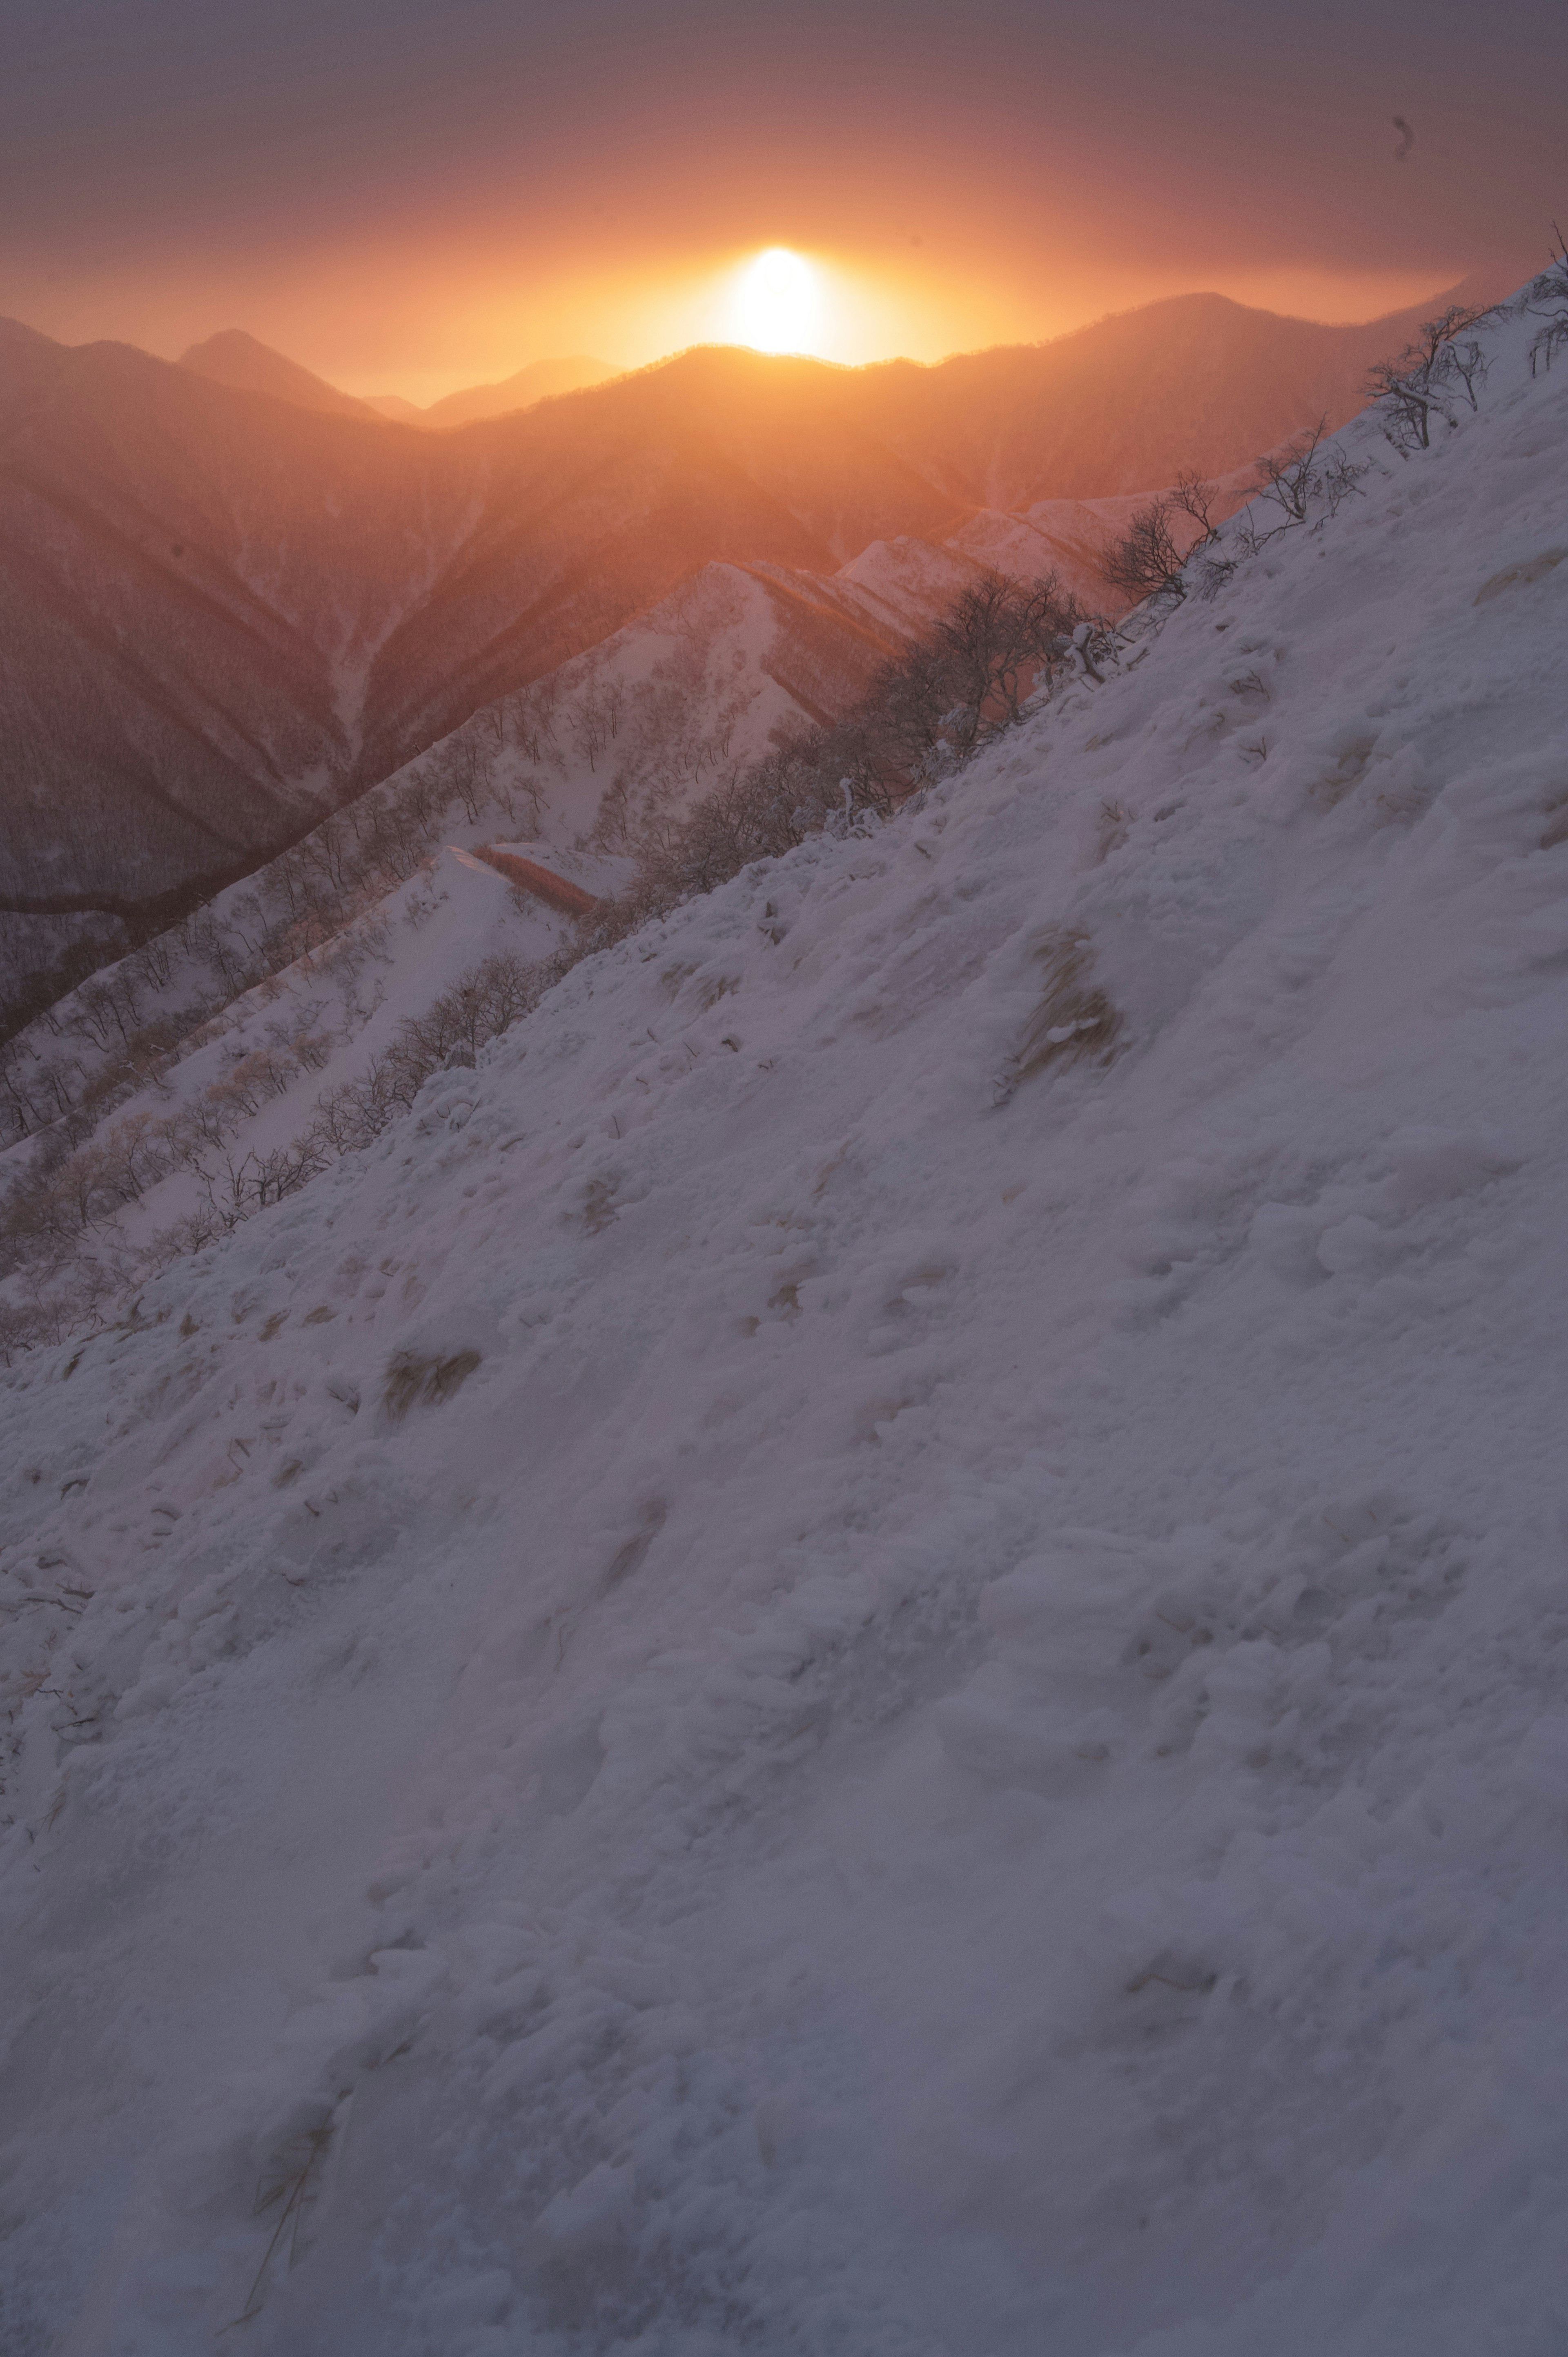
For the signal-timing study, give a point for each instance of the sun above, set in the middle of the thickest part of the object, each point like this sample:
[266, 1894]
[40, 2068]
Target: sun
[776, 303]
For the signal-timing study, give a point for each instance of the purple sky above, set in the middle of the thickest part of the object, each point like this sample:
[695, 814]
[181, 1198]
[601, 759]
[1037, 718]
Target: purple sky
[404, 193]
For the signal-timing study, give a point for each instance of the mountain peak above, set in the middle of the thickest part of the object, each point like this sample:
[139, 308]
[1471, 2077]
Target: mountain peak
[246, 364]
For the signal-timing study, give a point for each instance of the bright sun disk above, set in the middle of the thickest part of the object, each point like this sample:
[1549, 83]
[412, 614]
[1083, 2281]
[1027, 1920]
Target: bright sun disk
[776, 303]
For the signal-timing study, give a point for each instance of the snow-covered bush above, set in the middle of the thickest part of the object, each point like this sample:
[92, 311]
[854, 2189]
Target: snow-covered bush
[1428, 379]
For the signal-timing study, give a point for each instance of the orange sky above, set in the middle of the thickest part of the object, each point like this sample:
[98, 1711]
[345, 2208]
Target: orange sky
[409, 198]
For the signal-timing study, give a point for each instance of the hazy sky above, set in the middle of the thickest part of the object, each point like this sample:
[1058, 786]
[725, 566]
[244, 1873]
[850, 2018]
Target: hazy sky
[409, 197]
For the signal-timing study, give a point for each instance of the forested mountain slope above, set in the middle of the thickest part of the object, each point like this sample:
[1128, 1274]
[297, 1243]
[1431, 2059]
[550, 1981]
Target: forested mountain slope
[1195, 382]
[223, 613]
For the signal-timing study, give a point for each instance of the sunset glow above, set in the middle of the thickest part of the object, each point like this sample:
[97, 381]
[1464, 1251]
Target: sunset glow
[361, 200]
[777, 305]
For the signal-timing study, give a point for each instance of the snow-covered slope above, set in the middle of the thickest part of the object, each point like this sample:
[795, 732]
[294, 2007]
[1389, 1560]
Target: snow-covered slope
[865, 1652]
[589, 756]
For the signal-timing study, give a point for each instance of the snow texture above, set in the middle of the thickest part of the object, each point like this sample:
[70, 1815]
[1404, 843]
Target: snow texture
[865, 1651]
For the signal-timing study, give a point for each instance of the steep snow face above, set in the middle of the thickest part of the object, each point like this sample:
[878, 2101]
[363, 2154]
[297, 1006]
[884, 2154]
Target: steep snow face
[865, 1652]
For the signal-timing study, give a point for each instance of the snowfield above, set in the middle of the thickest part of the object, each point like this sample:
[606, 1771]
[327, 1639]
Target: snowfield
[867, 1651]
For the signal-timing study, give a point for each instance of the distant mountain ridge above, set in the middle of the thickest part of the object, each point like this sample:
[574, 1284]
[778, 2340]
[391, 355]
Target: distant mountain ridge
[238, 361]
[247, 365]
[1191, 381]
[539, 382]
[225, 609]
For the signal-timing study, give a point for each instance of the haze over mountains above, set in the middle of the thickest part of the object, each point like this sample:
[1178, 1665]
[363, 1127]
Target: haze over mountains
[232, 596]
[246, 365]
[539, 382]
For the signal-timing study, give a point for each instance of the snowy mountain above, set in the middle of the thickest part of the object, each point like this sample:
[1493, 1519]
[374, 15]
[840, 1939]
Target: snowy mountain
[860, 1649]
[225, 612]
[301, 974]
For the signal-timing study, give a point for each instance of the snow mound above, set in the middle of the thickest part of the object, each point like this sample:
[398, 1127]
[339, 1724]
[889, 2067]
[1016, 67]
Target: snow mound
[863, 1651]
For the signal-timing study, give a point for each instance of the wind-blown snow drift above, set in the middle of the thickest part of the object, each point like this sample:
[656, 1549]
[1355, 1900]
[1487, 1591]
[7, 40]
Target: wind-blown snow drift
[767, 1686]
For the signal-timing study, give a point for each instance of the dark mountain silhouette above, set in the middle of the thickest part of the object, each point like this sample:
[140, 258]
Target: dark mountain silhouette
[222, 613]
[237, 360]
[1195, 380]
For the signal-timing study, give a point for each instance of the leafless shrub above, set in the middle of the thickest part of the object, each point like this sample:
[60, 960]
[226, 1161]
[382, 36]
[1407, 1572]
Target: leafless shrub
[1289, 478]
[413, 1381]
[1151, 558]
[596, 716]
[1114, 826]
[1214, 572]
[927, 710]
[1342, 479]
[49, 1315]
[104, 1010]
[136, 1155]
[1550, 289]
[291, 2193]
[528, 718]
[1468, 367]
[966, 681]
[463, 768]
[1419, 386]
[479, 1008]
[192, 1232]
[1195, 498]
[1075, 1022]
[530, 794]
[1295, 480]
[1147, 561]
[153, 963]
[310, 1050]
[35, 1089]
[265, 1073]
[210, 1117]
[238, 1190]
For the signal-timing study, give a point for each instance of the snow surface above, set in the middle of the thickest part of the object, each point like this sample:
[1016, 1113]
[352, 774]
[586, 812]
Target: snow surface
[767, 1684]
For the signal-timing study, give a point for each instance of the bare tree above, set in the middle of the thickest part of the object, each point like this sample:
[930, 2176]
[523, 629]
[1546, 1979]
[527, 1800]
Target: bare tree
[1195, 500]
[1417, 387]
[1291, 479]
[596, 716]
[1467, 365]
[994, 638]
[134, 1155]
[153, 963]
[528, 717]
[1146, 562]
[465, 772]
[104, 1010]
